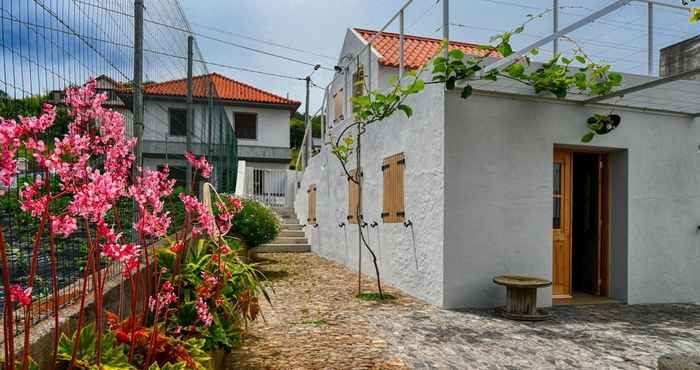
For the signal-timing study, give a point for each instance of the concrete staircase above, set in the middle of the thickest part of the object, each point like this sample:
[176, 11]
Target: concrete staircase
[291, 238]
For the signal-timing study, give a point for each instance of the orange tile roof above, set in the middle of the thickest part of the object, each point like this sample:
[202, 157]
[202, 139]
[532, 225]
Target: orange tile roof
[224, 88]
[418, 50]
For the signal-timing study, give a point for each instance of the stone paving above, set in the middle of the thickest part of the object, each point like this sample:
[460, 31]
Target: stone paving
[316, 323]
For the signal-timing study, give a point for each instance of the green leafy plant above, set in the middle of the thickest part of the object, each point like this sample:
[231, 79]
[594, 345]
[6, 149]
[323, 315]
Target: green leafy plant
[256, 223]
[113, 354]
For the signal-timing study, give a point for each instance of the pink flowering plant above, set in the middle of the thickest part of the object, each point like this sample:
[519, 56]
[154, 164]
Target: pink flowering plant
[220, 292]
[189, 292]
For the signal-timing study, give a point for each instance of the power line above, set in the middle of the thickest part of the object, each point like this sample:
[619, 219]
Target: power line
[80, 37]
[213, 38]
[427, 10]
[264, 41]
[156, 52]
[226, 65]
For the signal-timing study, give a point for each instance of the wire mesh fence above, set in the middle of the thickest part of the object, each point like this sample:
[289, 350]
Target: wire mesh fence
[50, 45]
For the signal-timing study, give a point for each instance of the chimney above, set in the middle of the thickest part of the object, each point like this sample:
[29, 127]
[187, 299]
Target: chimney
[680, 57]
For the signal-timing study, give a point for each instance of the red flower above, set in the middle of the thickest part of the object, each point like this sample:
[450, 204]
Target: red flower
[23, 296]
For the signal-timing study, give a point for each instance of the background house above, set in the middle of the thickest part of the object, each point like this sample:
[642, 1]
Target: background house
[501, 183]
[259, 119]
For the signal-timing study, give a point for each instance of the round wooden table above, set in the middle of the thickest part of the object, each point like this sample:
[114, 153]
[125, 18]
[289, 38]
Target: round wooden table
[521, 297]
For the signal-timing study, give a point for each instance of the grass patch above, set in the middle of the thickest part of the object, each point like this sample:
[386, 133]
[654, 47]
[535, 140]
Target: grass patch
[375, 297]
[320, 322]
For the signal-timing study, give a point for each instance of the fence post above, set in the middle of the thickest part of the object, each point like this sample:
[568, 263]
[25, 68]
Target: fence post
[137, 95]
[555, 26]
[401, 45]
[190, 111]
[309, 130]
[650, 37]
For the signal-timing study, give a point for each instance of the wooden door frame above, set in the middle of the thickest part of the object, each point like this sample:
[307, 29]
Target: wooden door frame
[603, 228]
[565, 157]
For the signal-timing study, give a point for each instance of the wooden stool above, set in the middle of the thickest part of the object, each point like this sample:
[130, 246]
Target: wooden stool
[521, 297]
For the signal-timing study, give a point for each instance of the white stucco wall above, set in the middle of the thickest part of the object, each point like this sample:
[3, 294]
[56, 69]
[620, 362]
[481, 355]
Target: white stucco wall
[272, 126]
[498, 201]
[410, 259]
[157, 124]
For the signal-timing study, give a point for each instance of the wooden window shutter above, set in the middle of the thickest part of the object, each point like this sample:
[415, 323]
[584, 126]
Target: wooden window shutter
[311, 220]
[338, 105]
[358, 81]
[353, 199]
[393, 210]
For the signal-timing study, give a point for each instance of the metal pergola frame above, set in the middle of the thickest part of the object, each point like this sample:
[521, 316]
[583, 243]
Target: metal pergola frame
[617, 4]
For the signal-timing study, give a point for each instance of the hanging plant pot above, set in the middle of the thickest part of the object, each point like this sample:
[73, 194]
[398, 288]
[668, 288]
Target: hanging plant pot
[600, 124]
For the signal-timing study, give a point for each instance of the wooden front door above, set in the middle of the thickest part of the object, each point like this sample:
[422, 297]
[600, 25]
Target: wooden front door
[561, 225]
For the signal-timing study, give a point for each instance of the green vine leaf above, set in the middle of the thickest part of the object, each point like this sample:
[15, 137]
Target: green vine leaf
[467, 91]
[695, 15]
[406, 109]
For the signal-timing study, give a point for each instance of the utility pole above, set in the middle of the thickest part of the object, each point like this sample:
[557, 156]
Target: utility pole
[308, 150]
[190, 110]
[446, 25]
[138, 85]
[137, 94]
[555, 25]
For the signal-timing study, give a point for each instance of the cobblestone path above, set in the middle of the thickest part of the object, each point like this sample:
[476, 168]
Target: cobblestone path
[315, 322]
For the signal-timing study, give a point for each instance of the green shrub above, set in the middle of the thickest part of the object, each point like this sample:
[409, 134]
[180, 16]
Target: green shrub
[256, 223]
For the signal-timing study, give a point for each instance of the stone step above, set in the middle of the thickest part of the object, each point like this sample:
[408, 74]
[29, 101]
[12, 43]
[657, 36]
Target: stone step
[292, 221]
[284, 213]
[287, 240]
[292, 227]
[282, 248]
[291, 233]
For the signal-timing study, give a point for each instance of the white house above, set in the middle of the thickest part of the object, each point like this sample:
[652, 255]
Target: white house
[501, 183]
[222, 106]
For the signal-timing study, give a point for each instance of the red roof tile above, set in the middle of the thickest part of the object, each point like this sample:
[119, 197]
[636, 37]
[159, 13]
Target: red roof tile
[224, 88]
[417, 50]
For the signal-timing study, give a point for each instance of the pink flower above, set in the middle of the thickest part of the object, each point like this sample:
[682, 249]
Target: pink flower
[63, 225]
[23, 296]
[32, 201]
[147, 191]
[203, 312]
[120, 252]
[96, 198]
[200, 164]
[236, 204]
[8, 165]
[37, 125]
[205, 220]
[165, 298]
[209, 280]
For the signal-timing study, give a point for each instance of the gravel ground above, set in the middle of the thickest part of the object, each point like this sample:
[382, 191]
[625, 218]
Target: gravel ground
[315, 322]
